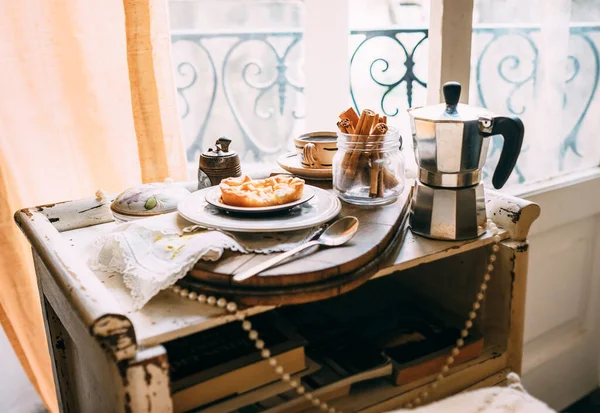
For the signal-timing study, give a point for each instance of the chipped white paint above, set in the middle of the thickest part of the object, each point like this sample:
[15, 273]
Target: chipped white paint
[77, 282]
[146, 382]
[513, 214]
[116, 334]
[76, 214]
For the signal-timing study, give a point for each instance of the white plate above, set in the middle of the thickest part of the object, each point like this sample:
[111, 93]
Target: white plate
[323, 207]
[213, 197]
[291, 163]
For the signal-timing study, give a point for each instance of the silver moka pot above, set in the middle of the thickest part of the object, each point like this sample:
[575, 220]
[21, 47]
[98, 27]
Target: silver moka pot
[451, 143]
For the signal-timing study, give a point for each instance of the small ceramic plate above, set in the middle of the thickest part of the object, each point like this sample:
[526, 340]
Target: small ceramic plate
[213, 197]
[291, 163]
[322, 208]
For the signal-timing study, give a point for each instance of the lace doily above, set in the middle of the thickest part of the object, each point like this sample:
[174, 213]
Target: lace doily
[153, 253]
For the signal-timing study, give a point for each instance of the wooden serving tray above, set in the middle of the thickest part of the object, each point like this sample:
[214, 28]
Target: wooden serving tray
[316, 274]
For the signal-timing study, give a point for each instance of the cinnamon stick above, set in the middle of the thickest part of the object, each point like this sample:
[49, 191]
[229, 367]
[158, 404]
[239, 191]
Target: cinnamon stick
[389, 178]
[376, 181]
[380, 129]
[353, 139]
[374, 178]
[345, 126]
[351, 115]
[374, 124]
[380, 184]
[363, 131]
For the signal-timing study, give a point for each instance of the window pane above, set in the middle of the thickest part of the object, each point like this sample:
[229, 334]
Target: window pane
[237, 68]
[388, 65]
[539, 60]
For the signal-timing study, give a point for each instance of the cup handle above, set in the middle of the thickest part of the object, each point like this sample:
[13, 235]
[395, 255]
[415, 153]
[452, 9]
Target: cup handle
[309, 153]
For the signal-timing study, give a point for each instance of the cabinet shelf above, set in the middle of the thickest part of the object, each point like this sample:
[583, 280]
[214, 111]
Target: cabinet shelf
[116, 349]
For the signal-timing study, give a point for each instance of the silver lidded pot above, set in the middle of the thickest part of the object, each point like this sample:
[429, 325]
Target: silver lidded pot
[451, 143]
[218, 164]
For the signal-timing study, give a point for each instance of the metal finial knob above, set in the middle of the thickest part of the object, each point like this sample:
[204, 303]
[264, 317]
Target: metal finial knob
[451, 93]
[223, 144]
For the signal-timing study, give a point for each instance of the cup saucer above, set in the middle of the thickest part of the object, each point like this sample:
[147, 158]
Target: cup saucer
[291, 163]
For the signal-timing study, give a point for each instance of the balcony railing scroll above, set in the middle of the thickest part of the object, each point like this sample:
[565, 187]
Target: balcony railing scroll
[250, 83]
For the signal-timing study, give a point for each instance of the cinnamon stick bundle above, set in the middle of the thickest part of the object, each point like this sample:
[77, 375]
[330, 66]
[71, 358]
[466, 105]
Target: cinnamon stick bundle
[362, 160]
[367, 120]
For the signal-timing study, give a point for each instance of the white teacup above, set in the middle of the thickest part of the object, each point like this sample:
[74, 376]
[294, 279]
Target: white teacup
[316, 149]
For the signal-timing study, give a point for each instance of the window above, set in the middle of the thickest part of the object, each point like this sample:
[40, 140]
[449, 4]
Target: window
[540, 61]
[388, 60]
[238, 73]
[239, 68]
[264, 71]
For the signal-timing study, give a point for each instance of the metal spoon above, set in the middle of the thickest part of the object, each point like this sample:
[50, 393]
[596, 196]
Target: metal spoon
[338, 233]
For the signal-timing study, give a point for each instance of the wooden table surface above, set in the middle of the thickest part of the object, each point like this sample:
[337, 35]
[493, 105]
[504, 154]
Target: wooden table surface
[63, 233]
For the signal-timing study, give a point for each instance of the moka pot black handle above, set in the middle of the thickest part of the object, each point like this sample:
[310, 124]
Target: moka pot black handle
[512, 130]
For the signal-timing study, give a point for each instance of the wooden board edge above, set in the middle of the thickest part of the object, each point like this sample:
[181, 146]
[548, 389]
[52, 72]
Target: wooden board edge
[312, 292]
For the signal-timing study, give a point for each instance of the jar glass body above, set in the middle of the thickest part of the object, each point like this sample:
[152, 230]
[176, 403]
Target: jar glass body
[369, 170]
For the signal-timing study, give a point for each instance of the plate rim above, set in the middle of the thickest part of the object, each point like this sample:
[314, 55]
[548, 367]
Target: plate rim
[335, 211]
[258, 210]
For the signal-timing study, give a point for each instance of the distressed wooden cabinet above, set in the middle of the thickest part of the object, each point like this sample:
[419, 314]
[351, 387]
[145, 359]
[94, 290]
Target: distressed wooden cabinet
[110, 358]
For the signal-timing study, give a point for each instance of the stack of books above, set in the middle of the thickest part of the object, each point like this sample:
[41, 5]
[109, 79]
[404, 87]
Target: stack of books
[328, 346]
[344, 361]
[222, 362]
[417, 343]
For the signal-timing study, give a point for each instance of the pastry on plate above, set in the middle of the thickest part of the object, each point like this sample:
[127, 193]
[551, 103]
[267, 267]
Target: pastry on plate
[246, 192]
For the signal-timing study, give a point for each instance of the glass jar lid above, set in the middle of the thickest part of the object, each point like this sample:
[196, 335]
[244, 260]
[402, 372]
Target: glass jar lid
[451, 110]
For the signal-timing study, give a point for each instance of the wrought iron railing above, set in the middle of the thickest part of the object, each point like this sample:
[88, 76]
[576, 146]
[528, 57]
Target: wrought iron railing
[516, 64]
[255, 68]
[251, 67]
[380, 65]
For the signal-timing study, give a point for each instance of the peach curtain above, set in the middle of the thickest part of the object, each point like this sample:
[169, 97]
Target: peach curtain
[87, 103]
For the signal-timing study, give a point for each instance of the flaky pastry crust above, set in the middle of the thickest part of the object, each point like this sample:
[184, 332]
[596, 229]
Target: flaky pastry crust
[276, 190]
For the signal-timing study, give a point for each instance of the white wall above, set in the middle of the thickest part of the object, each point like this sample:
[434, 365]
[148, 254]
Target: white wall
[561, 356]
[17, 395]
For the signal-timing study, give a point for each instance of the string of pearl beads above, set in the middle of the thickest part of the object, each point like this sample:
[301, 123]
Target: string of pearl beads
[231, 307]
[464, 333]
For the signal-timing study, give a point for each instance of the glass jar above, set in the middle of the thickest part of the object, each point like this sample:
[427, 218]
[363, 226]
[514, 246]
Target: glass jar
[369, 169]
